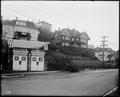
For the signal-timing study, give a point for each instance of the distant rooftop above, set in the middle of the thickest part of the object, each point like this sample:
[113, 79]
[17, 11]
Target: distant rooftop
[71, 32]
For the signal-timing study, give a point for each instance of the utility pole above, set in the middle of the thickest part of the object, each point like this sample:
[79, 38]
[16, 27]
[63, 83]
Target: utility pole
[103, 47]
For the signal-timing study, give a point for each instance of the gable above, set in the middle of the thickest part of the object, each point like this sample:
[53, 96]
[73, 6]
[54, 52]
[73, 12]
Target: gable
[84, 35]
[65, 32]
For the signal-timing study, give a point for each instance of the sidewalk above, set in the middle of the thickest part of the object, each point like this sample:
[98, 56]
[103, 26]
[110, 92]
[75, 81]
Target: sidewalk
[22, 74]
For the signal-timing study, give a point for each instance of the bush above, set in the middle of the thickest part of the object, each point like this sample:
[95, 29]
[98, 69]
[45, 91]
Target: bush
[72, 68]
[54, 66]
[94, 64]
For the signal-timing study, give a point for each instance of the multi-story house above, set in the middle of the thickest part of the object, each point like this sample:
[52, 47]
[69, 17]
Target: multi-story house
[73, 38]
[44, 25]
[19, 29]
[25, 52]
[45, 31]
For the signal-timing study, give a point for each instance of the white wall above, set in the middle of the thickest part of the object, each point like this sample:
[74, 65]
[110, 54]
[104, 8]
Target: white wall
[34, 32]
[8, 31]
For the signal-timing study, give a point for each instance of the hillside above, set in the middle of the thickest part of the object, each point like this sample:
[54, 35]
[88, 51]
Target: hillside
[58, 57]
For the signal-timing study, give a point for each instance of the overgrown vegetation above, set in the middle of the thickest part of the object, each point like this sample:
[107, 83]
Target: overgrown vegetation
[75, 51]
[59, 60]
[94, 64]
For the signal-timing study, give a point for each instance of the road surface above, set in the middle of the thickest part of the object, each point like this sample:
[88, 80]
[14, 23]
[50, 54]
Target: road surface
[86, 83]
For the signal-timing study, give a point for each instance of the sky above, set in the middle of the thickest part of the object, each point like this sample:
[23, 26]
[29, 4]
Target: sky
[97, 18]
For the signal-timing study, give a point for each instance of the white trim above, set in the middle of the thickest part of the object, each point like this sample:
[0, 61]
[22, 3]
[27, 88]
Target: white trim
[28, 44]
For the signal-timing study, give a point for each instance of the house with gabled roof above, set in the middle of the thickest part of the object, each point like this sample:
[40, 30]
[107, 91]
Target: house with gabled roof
[71, 37]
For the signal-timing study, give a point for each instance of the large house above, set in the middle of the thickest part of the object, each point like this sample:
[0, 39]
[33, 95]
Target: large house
[25, 52]
[19, 29]
[45, 31]
[44, 25]
[71, 37]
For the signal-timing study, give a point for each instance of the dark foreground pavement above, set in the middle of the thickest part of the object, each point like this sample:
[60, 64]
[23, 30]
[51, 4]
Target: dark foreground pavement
[87, 83]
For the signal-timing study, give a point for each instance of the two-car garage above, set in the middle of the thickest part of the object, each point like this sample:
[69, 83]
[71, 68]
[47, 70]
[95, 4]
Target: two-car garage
[28, 58]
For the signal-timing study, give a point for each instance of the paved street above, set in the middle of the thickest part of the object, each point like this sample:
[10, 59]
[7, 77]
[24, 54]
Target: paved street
[88, 82]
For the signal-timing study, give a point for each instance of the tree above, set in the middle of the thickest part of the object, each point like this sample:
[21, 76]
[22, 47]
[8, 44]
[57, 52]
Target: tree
[110, 56]
[117, 58]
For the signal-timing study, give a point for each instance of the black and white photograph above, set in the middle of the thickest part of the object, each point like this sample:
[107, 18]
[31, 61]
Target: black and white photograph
[59, 48]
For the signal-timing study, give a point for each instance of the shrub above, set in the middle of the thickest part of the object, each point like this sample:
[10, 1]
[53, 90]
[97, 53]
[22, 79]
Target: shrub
[72, 68]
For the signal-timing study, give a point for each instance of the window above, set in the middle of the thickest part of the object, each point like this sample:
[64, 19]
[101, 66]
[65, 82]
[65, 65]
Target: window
[63, 37]
[63, 44]
[16, 58]
[83, 46]
[23, 58]
[34, 59]
[40, 59]
[76, 45]
[20, 23]
[72, 39]
[66, 44]
[83, 40]
[66, 38]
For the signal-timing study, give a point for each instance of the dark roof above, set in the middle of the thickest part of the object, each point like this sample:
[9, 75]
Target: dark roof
[8, 22]
[29, 24]
[68, 32]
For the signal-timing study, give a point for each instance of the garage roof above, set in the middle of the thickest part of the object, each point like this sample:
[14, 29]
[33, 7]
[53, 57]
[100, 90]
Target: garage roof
[27, 44]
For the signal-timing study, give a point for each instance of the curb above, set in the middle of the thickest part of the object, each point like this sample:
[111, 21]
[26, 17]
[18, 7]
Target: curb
[12, 76]
[22, 74]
